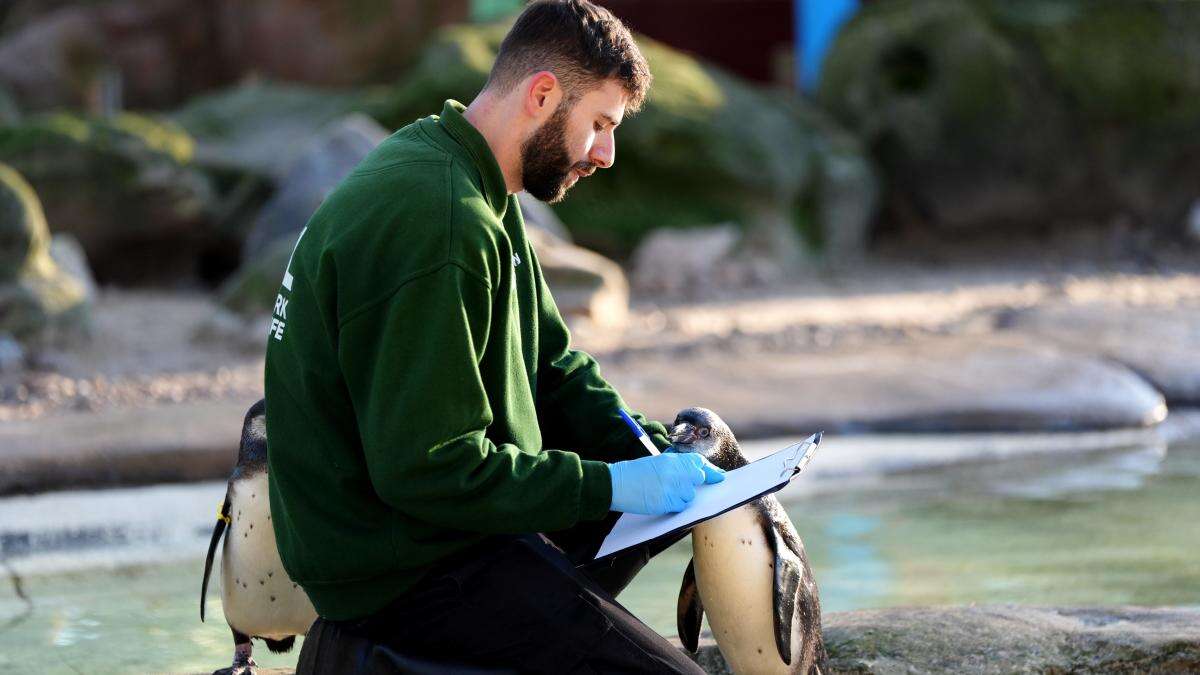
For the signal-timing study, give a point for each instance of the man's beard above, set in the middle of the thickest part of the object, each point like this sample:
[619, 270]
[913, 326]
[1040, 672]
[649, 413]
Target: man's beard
[545, 164]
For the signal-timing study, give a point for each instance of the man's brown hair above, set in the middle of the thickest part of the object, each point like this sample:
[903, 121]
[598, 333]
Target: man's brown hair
[580, 43]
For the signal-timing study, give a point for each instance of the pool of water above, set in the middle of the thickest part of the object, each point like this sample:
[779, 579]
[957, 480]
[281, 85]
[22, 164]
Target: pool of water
[112, 578]
[1101, 529]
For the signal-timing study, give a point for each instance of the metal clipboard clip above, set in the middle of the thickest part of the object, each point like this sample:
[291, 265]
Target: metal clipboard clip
[801, 454]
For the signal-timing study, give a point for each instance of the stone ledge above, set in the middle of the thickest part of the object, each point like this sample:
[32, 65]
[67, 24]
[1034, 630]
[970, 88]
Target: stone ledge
[126, 446]
[1005, 639]
[995, 383]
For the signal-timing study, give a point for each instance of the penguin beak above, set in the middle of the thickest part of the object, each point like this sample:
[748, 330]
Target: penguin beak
[683, 434]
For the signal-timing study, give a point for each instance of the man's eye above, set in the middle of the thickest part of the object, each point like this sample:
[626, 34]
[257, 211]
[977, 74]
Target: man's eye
[596, 126]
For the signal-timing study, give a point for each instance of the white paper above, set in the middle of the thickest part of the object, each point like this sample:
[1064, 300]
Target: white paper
[739, 486]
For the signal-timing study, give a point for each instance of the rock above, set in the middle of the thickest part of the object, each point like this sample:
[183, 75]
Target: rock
[846, 194]
[39, 301]
[1192, 225]
[1160, 344]
[1003, 639]
[66, 252]
[159, 51]
[260, 128]
[707, 147]
[46, 306]
[12, 356]
[24, 237]
[685, 261]
[329, 42]
[10, 113]
[931, 85]
[336, 150]
[155, 442]
[164, 51]
[252, 289]
[959, 383]
[585, 284]
[312, 175]
[537, 213]
[35, 64]
[993, 115]
[246, 334]
[123, 186]
[1009, 639]
[1132, 104]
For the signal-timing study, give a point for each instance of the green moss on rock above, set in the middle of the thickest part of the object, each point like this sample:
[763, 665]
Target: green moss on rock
[38, 300]
[707, 147]
[24, 237]
[995, 114]
[121, 185]
[257, 128]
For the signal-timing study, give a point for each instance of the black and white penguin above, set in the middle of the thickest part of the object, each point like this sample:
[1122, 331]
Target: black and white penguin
[258, 598]
[748, 571]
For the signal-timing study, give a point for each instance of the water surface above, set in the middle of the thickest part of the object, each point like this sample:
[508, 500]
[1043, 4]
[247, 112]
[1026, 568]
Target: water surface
[114, 576]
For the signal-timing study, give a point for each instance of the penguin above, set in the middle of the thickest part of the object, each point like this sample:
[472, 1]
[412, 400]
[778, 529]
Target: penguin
[748, 571]
[257, 596]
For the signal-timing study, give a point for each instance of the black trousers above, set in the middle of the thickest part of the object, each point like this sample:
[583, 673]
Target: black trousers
[514, 604]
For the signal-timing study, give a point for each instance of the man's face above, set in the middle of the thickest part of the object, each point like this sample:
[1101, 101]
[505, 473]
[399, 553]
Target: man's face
[572, 143]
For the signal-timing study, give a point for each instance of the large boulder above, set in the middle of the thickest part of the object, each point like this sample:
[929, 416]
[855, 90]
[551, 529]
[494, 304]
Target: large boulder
[123, 186]
[963, 383]
[585, 284]
[1003, 639]
[323, 164]
[539, 215]
[707, 147]
[1007, 639]
[155, 51]
[10, 112]
[260, 128]
[39, 300]
[685, 261]
[1162, 344]
[163, 51]
[252, 288]
[991, 114]
[330, 42]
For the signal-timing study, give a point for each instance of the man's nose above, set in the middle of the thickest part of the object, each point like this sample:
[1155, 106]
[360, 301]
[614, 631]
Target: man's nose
[604, 150]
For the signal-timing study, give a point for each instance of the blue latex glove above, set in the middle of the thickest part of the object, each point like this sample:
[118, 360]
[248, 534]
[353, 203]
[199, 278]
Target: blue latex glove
[660, 483]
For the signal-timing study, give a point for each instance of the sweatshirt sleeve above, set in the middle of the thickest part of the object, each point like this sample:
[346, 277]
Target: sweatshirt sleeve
[576, 406]
[411, 367]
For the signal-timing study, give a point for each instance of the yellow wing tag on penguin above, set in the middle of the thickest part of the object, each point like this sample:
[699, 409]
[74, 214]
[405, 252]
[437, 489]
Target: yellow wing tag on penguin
[221, 515]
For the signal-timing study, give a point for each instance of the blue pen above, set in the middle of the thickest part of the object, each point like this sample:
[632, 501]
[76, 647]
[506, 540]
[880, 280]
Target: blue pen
[639, 432]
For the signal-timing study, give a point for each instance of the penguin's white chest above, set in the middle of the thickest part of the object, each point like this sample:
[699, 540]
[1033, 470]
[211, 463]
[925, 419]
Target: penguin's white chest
[735, 575]
[258, 597]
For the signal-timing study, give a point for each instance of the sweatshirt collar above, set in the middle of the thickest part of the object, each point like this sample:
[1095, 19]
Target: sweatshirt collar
[467, 136]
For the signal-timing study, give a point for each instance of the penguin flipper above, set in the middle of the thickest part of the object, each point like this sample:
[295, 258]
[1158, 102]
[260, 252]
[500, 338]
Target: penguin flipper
[218, 530]
[690, 612]
[788, 575]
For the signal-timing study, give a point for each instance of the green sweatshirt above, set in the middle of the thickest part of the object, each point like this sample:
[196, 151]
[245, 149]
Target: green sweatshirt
[418, 374]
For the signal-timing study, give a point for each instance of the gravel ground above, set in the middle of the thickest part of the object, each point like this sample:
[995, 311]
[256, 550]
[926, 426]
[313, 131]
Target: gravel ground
[159, 347]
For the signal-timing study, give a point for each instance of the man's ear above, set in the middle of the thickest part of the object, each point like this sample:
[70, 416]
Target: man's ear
[542, 95]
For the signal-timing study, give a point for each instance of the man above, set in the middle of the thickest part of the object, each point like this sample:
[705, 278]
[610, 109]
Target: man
[427, 417]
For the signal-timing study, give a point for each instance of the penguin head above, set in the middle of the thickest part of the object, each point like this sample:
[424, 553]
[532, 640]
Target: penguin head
[702, 431]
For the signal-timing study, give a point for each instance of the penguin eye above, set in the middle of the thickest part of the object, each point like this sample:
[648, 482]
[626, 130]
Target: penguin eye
[703, 432]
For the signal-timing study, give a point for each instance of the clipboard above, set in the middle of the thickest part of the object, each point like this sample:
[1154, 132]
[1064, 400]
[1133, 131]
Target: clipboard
[741, 486]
